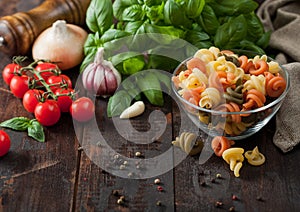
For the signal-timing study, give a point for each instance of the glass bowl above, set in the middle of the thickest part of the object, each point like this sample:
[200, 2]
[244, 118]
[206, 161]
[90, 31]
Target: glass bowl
[219, 120]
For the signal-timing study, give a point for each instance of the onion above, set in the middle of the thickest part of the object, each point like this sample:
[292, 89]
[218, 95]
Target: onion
[100, 77]
[62, 43]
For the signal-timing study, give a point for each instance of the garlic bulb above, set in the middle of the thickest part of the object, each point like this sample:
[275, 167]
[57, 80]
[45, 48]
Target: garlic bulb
[62, 43]
[100, 77]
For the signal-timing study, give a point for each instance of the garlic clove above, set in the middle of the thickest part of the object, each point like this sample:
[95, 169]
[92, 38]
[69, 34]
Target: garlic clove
[134, 110]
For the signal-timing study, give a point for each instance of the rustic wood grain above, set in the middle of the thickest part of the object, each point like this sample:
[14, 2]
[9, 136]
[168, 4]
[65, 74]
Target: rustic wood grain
[96, 185]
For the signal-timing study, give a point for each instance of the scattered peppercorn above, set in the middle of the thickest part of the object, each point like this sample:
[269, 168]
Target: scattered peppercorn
[138, 154]
[159, 188]
[157, 181]
[130, 174]
[115, 193]
[158, 203]
[219, 176]
[259, 198]
[120, 201]
[232, 209]
[213, 180]
[218, 204]
[234, 197]
[203, 183]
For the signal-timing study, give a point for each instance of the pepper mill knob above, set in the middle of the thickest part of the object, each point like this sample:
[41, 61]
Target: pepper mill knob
[19, 31]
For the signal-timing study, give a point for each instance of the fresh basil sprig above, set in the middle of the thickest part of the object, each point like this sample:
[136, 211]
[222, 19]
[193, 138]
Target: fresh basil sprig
[33, 127]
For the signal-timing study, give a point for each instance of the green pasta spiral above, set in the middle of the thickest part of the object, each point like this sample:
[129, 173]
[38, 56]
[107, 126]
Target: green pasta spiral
[234, 95]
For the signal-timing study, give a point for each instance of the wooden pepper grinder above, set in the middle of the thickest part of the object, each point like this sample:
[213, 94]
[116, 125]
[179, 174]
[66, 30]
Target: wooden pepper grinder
[19, 31]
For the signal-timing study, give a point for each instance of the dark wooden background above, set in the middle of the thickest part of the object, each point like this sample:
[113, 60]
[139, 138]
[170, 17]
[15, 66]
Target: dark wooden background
[58, 176]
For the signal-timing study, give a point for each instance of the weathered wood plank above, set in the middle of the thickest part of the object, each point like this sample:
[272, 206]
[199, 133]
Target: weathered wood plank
[197, 187]
[96, 184]
[35, 176]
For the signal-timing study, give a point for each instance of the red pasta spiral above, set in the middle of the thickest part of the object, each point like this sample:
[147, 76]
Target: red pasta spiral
[275, 84]
[259, 67]
[254, 99]
[245, 64]
[231, 107]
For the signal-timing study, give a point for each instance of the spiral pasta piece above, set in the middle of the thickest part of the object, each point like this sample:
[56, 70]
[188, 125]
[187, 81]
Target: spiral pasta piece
[234, 95]
[205, 55]
[254, 157]
[231, 107]
[256, 82]
[274, 67]
[210, 98]
[259, 67]
[234, 157]
[254, 99]
[214, 81]
[188, 143]
[196, 62]
[275, 85]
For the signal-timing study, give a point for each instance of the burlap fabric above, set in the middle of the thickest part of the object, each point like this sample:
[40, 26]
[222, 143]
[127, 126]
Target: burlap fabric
[282, 17]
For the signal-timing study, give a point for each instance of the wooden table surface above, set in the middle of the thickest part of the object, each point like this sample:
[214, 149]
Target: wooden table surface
[59, 176]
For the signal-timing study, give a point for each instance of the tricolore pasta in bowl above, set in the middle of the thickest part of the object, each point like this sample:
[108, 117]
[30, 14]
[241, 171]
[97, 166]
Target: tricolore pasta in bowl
[230, 94]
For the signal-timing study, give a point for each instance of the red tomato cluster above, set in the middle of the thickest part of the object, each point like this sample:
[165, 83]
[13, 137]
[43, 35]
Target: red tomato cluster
[50, 95]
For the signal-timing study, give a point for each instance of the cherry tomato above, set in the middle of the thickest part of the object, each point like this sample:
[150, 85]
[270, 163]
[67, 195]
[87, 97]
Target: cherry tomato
[47, 113]
[64, 102]
[4, 143]
[82, 109]
[59, 80]
[42, 67]
[10, 71]
[19, 85]
[31, 99]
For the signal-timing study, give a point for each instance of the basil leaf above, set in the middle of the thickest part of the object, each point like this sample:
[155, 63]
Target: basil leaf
[99, 15]
[151, 3]
[133, 65]
[231, 8]
[263, 41]
[132, 27]
[230, 34]
[130, 85]
[133, 13]
[255, 27]
[164, 79]
[17, 123]
[194, 8]
[174, 14]
[163, 34]
[155, 13]
[118, 103]
[36, 131]
[197, 36]
[248, 45]
[113, 34]
[150, 86]
[33, 127]
[89, 58]
[208, 20]
[120, 5]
